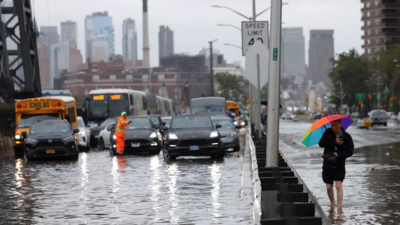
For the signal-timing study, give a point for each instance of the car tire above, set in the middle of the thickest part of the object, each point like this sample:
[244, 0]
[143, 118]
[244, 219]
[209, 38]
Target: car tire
[167, 156]
[88, 145]
[101, 144]
[220, 155]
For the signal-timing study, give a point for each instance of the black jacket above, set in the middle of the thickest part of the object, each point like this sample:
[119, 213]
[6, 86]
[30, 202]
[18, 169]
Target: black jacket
[344, 151]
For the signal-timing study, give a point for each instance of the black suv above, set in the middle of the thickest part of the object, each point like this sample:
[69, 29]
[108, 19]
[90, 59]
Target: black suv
[50, 138]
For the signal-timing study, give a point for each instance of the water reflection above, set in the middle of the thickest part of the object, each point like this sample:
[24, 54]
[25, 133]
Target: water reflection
[173, 174]
[216, 179]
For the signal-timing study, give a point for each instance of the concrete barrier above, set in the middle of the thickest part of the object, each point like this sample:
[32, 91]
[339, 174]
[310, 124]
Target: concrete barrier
[6, 147]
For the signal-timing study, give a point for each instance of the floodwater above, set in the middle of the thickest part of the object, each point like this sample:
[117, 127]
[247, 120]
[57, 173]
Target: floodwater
[99, 189]
[371, 186]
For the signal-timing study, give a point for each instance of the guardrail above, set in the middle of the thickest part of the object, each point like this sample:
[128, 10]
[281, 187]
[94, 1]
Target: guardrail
[255, 180]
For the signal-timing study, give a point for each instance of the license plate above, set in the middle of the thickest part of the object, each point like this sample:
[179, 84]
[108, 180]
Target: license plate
[135, 145]
[50, 152]
[194, 148]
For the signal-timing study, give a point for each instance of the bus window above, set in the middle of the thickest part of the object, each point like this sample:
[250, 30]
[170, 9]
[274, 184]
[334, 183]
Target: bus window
[27, 119]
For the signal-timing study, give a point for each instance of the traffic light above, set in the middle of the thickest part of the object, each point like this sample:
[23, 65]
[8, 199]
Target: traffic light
[350, 96]
[318, 97]
[325, 97]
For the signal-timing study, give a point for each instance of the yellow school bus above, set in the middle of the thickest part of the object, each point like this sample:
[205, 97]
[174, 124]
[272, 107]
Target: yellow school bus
[234, 107]
[30, 110]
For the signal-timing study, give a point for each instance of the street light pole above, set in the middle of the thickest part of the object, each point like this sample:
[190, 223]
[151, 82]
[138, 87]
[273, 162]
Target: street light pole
[341, 94]
[211, 69]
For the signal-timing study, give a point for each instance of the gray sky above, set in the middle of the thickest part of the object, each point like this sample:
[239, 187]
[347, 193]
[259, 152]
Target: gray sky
[194, 21]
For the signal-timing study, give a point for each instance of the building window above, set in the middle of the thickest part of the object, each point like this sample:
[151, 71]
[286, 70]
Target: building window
[113, 77]
[96, 77]
[376, 21]
[145, 77]
[367, 4]
[368, 23]
[376, 12]
[368, 41]
[376, 30]
[376, 2]
[368, 13]
[368, 51]
[129, 77]
[161, 77]
[376, 40]
[368, 32]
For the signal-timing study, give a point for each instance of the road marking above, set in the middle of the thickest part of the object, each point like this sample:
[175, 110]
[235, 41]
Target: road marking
[285, 155]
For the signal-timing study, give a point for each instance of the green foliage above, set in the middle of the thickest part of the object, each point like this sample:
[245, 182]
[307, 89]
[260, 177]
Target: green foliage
[231, 87]
[394, 106]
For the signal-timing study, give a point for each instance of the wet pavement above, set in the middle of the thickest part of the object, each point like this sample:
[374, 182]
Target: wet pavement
[99, 189]
[372, 183]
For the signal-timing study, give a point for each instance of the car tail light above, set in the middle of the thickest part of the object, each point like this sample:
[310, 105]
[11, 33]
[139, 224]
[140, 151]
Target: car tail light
[323, 115]
[24, 106]
[53, 104]
[58, 103]
[19, 106]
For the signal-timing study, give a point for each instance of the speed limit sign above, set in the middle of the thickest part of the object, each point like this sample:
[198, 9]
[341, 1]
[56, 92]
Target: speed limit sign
[253, 32]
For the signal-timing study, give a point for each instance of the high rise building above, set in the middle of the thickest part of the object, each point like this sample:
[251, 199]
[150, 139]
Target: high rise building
[293, 52]
[64, 56]
[129, 40]
[99, 26]
[49, 35]
[381, 25]
[320, 52]
[165, 42]
[69, 31]
[43, 59]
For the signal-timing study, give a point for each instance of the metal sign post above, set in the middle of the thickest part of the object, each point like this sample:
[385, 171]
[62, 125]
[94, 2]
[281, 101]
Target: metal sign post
[274, 85]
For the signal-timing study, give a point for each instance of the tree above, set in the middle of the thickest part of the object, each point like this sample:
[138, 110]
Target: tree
[352, 70]
[232, 87]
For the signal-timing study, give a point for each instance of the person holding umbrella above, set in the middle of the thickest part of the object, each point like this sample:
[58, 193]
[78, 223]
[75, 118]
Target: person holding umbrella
[329, 132]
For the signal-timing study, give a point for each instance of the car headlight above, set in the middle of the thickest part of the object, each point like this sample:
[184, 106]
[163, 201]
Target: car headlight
[114, 137]
[159, 136]
[172, 136]
[153, 135]
[243, 123]
[30, 141]
[235, 123]
[17, 137]
[233, 134]
[214, 134]
[69, 139]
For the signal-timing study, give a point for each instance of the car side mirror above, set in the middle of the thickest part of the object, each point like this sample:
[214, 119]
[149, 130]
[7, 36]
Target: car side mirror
[23, 134]
[218, 126]
[165, 128]
[76, 131]
[12, 125]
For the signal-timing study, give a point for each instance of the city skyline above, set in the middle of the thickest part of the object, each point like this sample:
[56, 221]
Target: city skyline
[295, 14]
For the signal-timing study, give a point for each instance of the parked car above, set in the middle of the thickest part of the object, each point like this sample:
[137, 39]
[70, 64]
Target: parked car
[141, 136]
[193, 135]
[84, 135]
[166, 120]
[95, 131]
[378, 117]
[394, 116]
[50, 138]
[229, 133]
[389, 115]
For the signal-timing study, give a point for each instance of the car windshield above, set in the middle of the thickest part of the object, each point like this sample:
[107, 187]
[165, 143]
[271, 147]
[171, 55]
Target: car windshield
[225, 124]
[166, 120]
[106, 122]
[213, 115]
[50, 128]
[138, 123]
[27, 119]
[155, 120]
[81, 123]
[191, 122]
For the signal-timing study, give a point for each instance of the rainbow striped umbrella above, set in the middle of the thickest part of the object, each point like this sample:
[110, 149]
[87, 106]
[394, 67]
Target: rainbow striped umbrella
[314, 134]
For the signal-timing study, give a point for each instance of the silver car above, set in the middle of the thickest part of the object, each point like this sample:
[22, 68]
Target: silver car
[84, 135]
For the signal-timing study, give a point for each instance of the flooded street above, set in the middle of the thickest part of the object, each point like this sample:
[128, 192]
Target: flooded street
[99, 189]
[372, 183]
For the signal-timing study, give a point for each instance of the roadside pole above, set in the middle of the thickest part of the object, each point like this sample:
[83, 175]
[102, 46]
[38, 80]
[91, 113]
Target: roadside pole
[274, 85]
[255, 101]
[259, 94]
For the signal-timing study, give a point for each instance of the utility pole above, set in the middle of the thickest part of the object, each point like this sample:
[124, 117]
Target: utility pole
[341, 95]
[274, 85]
[211, 70]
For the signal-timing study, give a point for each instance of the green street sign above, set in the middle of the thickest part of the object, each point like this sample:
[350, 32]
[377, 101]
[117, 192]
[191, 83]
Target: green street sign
[360, 96]
[275, 58]
[378, 96]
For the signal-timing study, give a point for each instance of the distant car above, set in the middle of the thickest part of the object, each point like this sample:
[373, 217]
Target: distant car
[104, 135]
[394, 117]
[51, 138]
[193, 135]
[317, 115]
[95, 131]
[141, 136]
[229, 133]
[389, 115]
[378, 117]
[84, 135]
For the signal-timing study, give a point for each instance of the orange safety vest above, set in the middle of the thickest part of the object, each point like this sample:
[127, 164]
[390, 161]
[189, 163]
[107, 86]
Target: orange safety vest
[120, 129]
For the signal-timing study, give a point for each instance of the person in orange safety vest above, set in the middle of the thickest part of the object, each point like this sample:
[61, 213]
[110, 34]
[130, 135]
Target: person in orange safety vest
[120, 130]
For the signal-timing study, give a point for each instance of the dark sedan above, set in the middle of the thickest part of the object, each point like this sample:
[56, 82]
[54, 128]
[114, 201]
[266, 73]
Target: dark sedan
[192, 135]
[228, 132]
[141, 136]
[51, 138]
